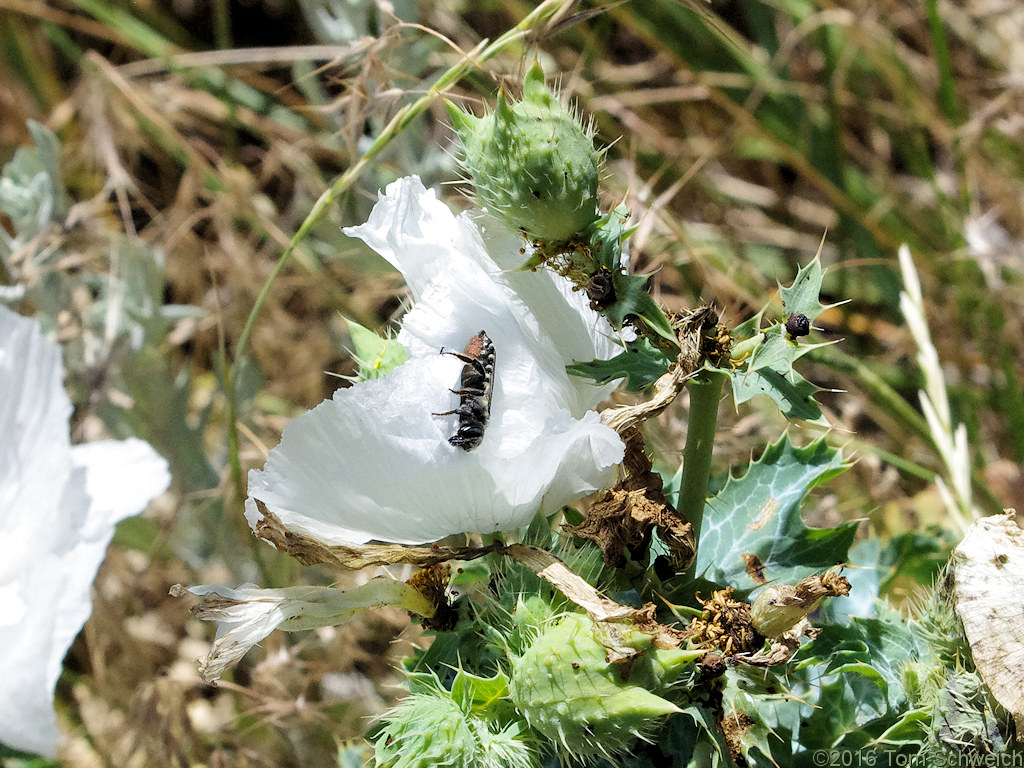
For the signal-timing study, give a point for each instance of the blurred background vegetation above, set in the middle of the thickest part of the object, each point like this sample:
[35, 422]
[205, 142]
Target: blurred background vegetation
[191, 138]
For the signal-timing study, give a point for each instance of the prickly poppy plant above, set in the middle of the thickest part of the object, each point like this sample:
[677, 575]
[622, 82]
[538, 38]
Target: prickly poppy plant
[675, 618]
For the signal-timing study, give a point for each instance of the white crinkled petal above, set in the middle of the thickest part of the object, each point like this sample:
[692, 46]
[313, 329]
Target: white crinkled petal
[61, 530]
[583, 444]
[121, 478]
[374, 463]
[438, 252]
[31, 651]
[244, 617]
[409, 219]
[248, 614]
[35, 447]
[578, 332]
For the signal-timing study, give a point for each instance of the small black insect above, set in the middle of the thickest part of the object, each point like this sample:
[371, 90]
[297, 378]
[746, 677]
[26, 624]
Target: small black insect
[798, 325]
[601, 290]
[475, 388]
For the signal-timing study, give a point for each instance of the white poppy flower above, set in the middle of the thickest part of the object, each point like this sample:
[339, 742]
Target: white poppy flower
[374, 462]
[58, 507]
[248, 614]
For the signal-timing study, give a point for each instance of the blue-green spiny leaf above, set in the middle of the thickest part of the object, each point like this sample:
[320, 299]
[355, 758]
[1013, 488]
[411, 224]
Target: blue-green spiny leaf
[763, 358]
[759, 514]
[641, 364]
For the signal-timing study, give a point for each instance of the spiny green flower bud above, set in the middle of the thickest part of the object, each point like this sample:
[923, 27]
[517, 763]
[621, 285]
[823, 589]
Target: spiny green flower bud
[423, 731]
[532, 614]
[568, 691]
[511, 747]
[470, 725]
[532, 163]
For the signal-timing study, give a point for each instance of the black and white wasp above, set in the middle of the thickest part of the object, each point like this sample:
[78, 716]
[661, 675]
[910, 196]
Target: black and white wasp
[475, 389]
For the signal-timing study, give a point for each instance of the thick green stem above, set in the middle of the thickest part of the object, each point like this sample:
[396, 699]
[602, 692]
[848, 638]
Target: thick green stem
[222, 24]
[705, 393]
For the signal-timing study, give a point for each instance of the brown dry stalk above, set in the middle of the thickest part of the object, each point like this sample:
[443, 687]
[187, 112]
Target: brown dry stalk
[690, 330]
[309, 551]
[569, 583]
[624, 517]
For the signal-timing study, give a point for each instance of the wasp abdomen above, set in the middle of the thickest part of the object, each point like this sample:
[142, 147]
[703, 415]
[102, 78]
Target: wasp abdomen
[475, 389]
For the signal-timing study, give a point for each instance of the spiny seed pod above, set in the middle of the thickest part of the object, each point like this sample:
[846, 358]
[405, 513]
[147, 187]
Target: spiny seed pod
[567, 690]
[469, 725]
[533, 165]
[512, 747]
[777, 610]
[423, 731]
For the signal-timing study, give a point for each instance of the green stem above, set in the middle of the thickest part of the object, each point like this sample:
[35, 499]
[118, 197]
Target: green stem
[401, 119]
[705, 394]
[222, 24]
[947, 75]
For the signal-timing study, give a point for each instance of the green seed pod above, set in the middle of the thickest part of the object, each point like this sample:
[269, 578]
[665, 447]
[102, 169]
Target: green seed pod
[471, 725]
[533, 165]
[568, 691]
[423, 731]
[780, 607]
[775, 611]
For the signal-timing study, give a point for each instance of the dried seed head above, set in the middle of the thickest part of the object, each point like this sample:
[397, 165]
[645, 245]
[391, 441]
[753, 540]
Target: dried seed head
[724, 626]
